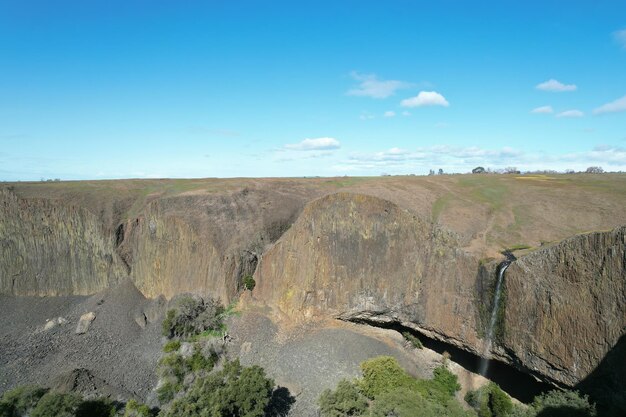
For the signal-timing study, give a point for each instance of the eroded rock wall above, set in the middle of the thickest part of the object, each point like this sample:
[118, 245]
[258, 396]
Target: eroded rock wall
[48, 248]
[363, 258]
[566, 305]
[359, 256]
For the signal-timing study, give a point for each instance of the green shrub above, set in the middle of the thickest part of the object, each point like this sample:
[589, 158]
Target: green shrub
[198, 361]
[235, 391]
[20, 400]
[167, 391]
[249, 283]
[446, 380]
[135, 409]
[382, 374]
[346, 400]
[490, 401]
[413, 340]
[54, 404]
[171, 346]
[192, 316]
[172, 366]
[563, 403]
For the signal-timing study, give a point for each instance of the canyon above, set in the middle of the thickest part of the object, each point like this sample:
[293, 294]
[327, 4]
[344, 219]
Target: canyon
[416, 252]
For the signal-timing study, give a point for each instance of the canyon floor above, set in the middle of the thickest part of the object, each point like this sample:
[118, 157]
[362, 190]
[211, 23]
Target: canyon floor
[117, 356]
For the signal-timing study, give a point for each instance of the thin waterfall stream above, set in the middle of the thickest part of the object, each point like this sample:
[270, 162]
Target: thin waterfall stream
[484, 361]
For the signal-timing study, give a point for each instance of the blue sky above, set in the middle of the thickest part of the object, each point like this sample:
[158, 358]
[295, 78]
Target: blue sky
[117, 89]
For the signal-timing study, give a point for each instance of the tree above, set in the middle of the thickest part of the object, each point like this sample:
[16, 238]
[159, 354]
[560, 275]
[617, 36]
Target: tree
[594, 170]
[563, 404]
[346, 400]
[478, 170]
[55, 404]
[235, 391]
[382, 374]
[440, 171]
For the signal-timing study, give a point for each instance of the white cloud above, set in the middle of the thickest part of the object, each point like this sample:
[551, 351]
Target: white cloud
[371, 86]
[571, 114]
[316, 144]
[620, 36]
[406, 113]
[543, 110]
[463, 159]
[555, 86]
[389, 113]
[618, 105]
[425, 98]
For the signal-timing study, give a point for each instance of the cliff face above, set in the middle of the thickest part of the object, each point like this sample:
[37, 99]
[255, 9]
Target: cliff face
[196, 243]
[566, 305]
[53, 249]
[362, 258]
[350, 255]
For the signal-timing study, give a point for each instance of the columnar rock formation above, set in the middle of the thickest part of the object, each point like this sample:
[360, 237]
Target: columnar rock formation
[354, 255]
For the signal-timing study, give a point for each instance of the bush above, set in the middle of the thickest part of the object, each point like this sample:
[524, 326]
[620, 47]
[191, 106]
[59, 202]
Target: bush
[249, 283]
[563, 403]
[135, 409]
[382, 374]
[55, 404]
[234, 391]
[171, 346]
[167, 391]
[490, 401]
[20, 400]
[446, 380]
[346, 400]
[192, 316]
[413, 340]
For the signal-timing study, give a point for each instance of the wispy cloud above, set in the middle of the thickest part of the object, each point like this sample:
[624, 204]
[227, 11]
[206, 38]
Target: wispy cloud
[543, 110]
[366, 116]
[371, 86]
[570, 114]
[620, 37]
[616, 106]
[406, 113]
[463, 159]
[555, 86]
[389, 113]
[316, 144]
[425, 98]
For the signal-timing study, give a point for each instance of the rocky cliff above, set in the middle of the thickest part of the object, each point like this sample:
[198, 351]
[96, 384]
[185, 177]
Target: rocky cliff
[364, 259]
[566, 305]
[401, 250]
[48, 248]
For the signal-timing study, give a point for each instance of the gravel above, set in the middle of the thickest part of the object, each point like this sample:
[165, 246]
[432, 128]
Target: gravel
[115, 350]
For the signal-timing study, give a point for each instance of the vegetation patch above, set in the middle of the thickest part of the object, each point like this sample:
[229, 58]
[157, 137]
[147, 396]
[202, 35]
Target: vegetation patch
[385, 389]
[413, 340]
[249, 283]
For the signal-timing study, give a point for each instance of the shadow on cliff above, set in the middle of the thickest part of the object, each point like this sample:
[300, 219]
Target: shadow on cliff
[606, 385]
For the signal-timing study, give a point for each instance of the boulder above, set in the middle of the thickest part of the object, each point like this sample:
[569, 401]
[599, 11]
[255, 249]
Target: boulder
[85, 322]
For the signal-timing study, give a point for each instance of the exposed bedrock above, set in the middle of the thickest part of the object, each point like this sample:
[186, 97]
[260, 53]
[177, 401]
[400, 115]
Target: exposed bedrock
[352, 256]
[361, 258]
[48, 248]
[197, 243]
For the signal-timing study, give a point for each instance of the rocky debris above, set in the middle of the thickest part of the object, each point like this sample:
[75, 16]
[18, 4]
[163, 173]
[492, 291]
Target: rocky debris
[82, 381]
[57, 321]
[84, 322]
[115, 348]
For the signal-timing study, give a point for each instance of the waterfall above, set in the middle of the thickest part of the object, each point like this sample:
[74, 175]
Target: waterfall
[484, 361]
